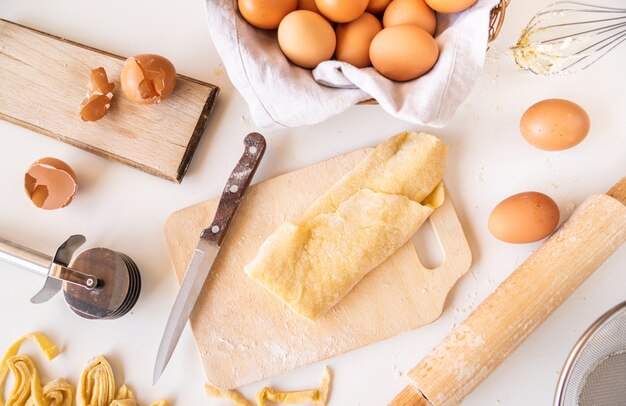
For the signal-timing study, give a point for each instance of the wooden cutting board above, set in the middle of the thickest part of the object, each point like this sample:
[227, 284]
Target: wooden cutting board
[244, 334]
[43, 80]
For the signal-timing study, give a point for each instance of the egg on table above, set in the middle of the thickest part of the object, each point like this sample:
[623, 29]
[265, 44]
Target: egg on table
[403, 52]
[415, 12]
[523, 218]
[555, 124]
[306, 38]
[341, 11]
[354, 39]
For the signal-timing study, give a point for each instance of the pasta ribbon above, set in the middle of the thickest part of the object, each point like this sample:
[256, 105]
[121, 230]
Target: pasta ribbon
[319, 396]
[96, 387]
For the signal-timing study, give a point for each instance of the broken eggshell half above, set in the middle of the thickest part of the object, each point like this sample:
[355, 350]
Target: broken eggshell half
[148, 78]
[99, 95]
[50, 183]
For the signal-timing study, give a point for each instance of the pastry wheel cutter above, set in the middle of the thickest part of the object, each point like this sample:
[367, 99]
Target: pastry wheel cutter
[98, 283]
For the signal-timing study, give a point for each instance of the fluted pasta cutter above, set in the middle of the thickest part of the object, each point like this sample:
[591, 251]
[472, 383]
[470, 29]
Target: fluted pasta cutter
[98, 283]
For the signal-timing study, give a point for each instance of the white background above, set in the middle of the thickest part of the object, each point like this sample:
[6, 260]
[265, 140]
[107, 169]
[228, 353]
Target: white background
[124, 209]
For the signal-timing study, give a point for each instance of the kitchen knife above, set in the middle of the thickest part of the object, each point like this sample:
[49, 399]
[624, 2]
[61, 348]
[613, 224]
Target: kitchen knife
[208, 248]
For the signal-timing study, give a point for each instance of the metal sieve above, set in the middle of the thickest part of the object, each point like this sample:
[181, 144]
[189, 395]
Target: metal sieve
[595, 371]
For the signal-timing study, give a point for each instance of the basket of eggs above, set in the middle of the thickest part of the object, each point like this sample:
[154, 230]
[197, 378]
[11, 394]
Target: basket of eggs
[299, 62]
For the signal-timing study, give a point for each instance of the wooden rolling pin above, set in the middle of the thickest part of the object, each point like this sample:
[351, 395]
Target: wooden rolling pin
[520, 304]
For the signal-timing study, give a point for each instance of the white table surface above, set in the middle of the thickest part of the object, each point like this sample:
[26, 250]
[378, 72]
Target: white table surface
[124, 209]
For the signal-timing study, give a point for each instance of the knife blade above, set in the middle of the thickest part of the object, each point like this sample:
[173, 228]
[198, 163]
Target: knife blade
[208, 248]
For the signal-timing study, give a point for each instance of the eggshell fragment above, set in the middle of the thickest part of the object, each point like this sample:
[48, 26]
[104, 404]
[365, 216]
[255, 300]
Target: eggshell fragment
[50, 183]
[354, 39]
[523, 218]
[148, 78]
[555, 124]
[95, 106]
[99, 96]
[415, 12]
[403, 52]
[342, 11]
[266, 14]
[450, 6]
[99, 82]
[306, 38]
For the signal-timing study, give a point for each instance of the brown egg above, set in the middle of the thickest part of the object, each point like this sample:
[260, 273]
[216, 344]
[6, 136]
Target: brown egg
[554, 124]
[266, 14]
[354, 39]
[523, 218]
[376, 6]
[415, 12]
[403, 52]
[306, 38]
[50, 183]
[148, 78]
[450, 6]
[308, 5]
[341, 11]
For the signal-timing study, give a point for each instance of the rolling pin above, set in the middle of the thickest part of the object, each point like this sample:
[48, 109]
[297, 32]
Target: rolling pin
[520, 304]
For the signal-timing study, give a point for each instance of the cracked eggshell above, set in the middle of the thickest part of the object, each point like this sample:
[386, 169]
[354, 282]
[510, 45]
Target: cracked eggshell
[95, 106]
[148, 78]
[99, 81]
[99, 95]
[50, 183]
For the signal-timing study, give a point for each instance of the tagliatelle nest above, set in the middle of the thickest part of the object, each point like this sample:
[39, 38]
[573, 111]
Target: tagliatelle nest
[96, 386]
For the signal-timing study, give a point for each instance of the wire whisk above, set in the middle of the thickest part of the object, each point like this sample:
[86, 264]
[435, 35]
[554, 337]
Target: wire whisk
[569, 36]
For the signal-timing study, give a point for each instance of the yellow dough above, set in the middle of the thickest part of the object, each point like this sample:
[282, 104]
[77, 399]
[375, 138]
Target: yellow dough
[354, 226]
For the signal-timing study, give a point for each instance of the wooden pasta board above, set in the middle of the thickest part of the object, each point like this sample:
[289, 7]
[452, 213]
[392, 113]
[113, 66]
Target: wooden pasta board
[244, 334]
[43, 80]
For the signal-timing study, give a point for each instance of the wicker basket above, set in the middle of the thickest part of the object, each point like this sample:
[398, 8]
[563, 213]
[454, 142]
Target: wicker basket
[496, 19]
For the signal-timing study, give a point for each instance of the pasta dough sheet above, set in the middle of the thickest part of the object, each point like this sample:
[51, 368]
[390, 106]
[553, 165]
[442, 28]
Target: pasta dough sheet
[351, 229]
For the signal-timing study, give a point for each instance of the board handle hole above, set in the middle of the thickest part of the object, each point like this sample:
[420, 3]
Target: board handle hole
[428, 246]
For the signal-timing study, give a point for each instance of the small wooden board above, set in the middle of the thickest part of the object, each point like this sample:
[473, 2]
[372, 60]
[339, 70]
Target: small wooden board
[43, 80]
[245, 334]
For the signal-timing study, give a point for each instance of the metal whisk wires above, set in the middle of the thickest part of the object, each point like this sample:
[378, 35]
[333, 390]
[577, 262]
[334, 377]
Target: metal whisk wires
[569, 36]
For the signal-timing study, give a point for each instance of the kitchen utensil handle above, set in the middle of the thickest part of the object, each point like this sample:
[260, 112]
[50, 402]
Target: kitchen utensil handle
[522, 302]
[235, 188]
[25, 258]
[43, 265]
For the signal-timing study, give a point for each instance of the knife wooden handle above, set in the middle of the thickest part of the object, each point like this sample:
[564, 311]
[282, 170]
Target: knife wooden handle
[235, 188]
[521, 303]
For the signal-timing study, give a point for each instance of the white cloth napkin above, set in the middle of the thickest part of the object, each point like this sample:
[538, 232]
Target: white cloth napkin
[282, 94]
